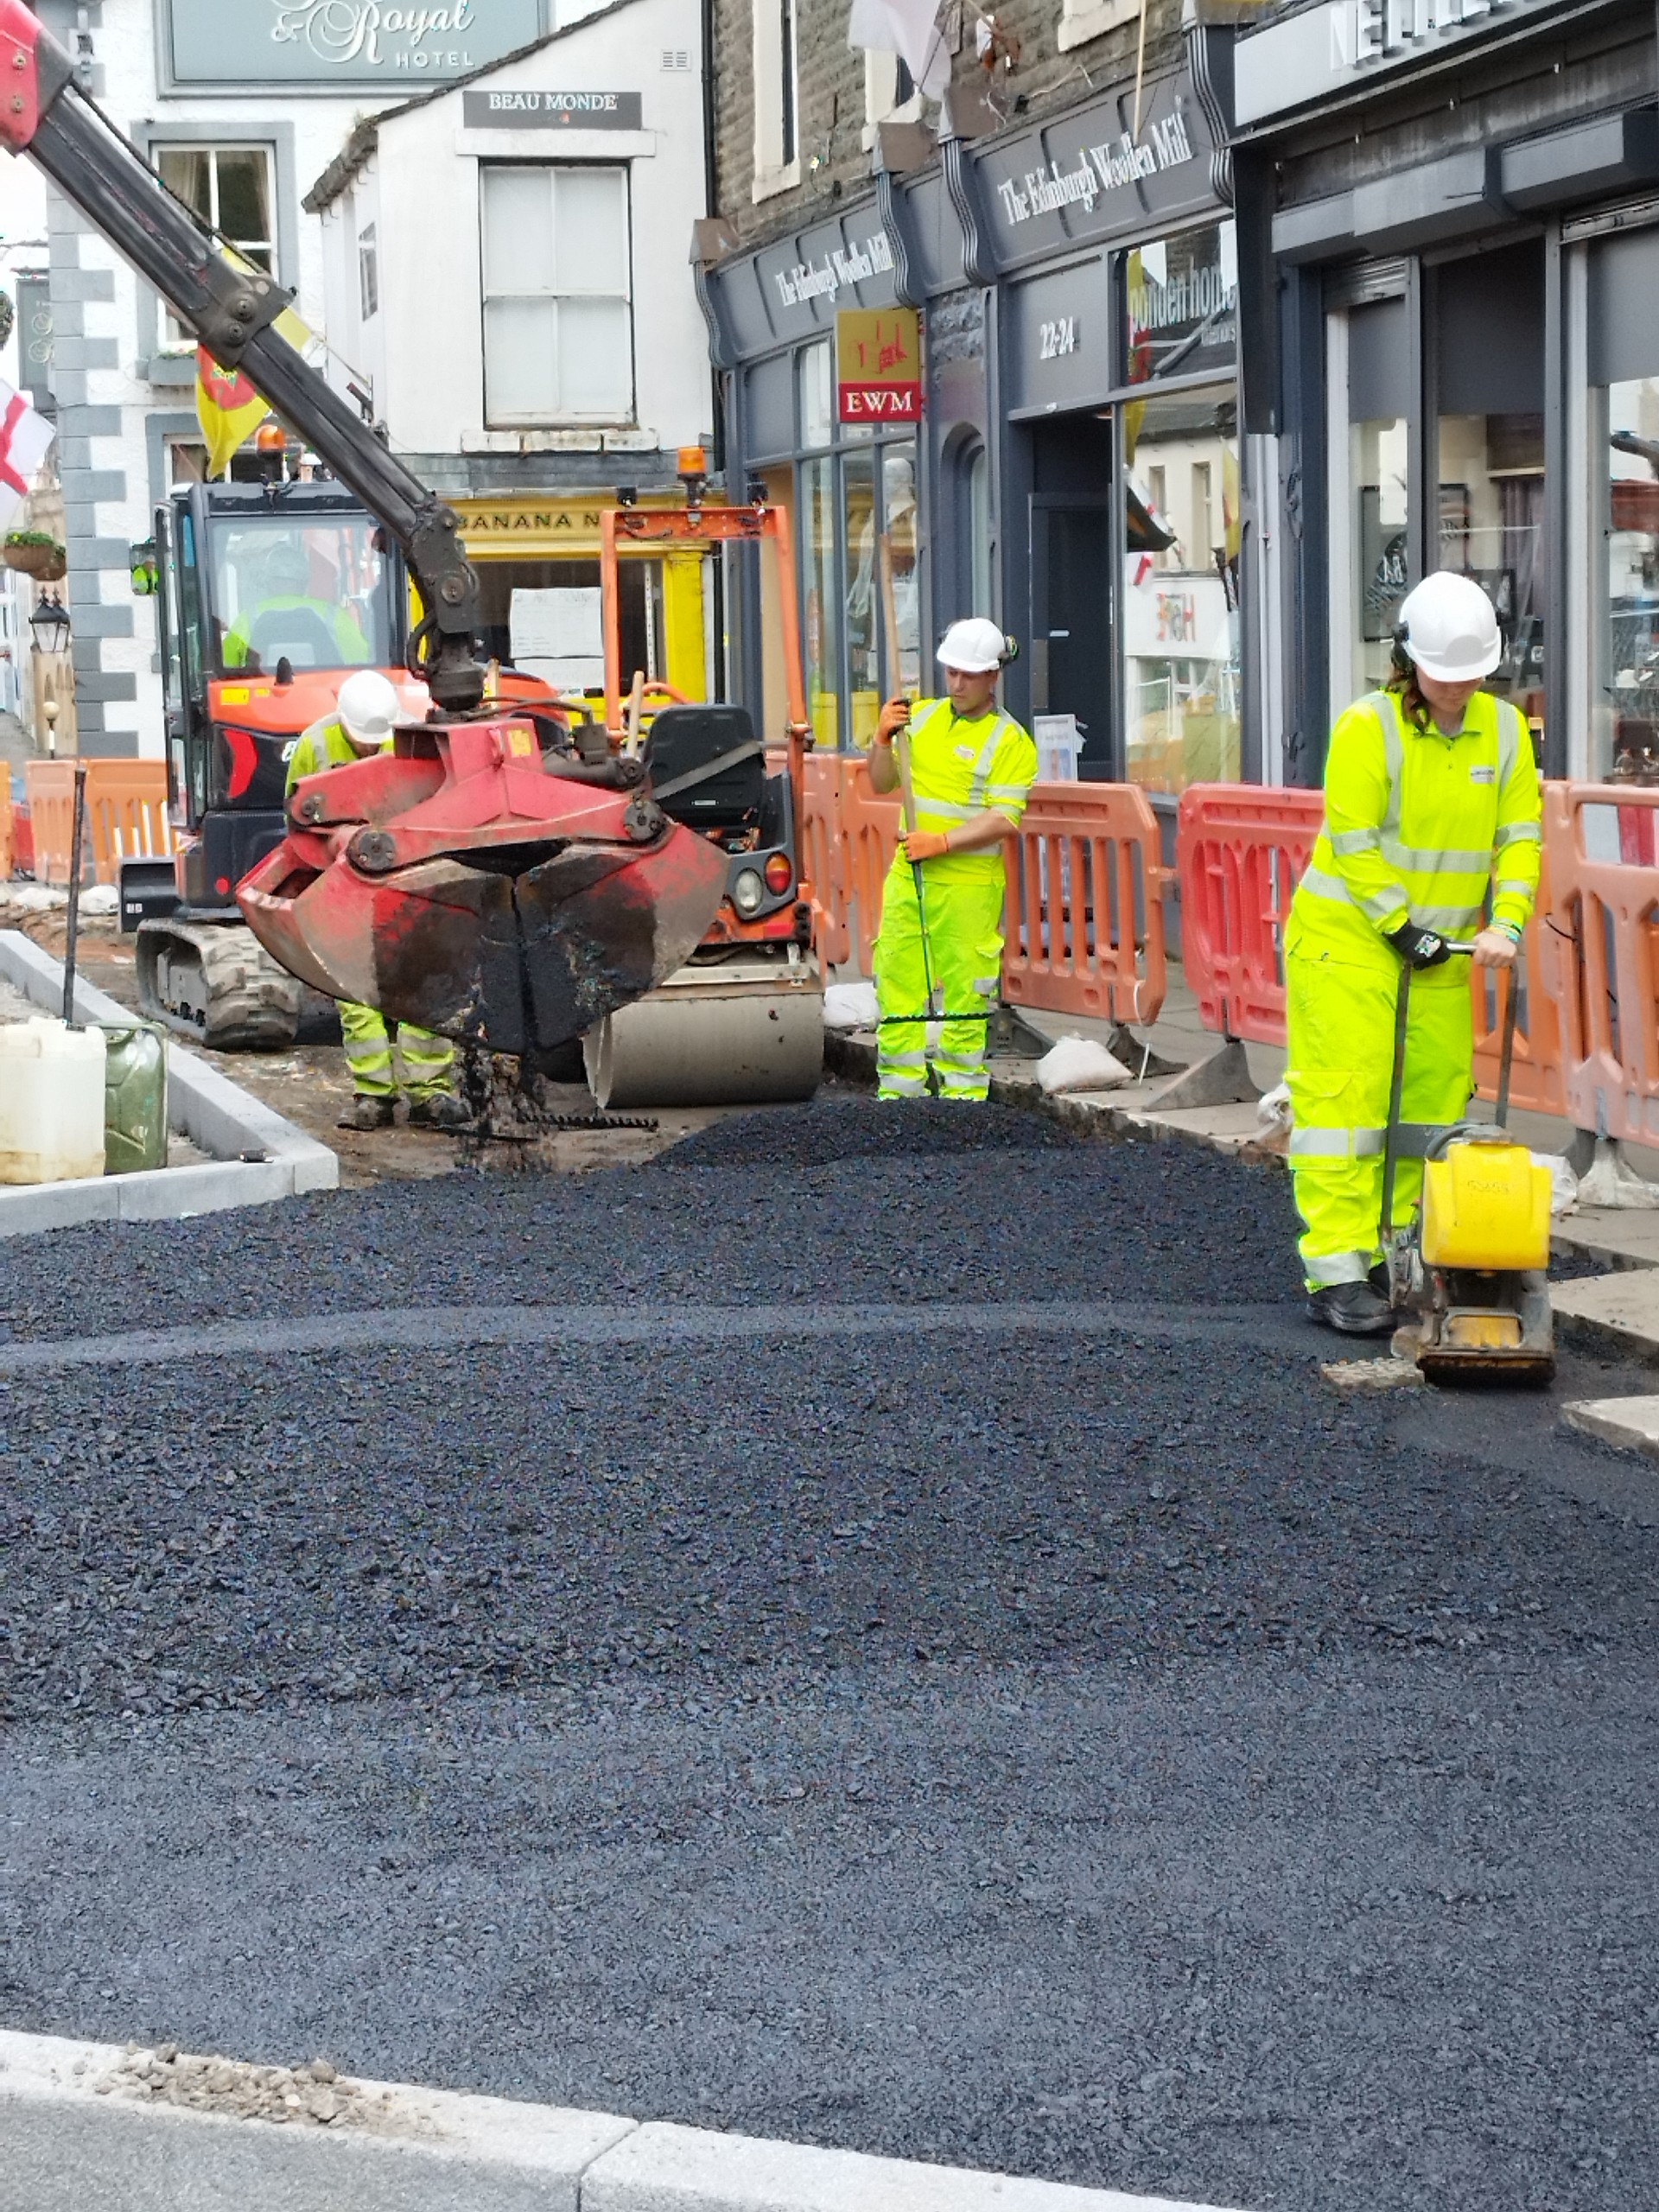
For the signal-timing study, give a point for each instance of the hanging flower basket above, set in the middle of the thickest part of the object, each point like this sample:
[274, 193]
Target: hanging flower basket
[37, 555]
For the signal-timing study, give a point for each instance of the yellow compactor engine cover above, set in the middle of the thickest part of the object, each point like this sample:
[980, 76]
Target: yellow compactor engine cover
[1485, 1205]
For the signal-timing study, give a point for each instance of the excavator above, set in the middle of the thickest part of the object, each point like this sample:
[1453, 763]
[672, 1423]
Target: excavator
[504, 874]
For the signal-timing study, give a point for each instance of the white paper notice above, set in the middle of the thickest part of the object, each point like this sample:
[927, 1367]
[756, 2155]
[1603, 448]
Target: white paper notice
[558, 635]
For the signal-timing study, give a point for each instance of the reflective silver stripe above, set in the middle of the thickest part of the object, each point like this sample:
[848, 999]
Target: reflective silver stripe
[987, 756]
[1518, 833]
[965, 1062]
[950, 809]
[1335, 1144]
[1394, 755]
[1413, 1143]
[1449, 920]
[1336, 1267]
[1509, 727]
[1379, 905]
[901, 1086]
[904, 1060]
[1355, 841]
[1421, 862]
[1513, 887]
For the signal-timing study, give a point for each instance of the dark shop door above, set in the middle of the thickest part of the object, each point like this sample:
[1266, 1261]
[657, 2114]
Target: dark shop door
[1072, 670]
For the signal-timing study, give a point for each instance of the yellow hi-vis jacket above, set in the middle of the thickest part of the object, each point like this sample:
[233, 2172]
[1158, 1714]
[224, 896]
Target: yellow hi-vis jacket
[322, 744]
[959, 768]
[1419, 826]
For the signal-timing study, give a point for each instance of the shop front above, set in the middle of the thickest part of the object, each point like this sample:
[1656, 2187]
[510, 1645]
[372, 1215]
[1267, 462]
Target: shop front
[1452, 318]
[1075, 472]
[536, 555]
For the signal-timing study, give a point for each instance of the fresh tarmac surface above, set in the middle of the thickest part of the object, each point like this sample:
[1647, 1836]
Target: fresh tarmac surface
[1117, 1758]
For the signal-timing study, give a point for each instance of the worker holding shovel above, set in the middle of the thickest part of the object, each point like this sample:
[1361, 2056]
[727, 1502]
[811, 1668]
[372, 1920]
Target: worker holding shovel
[965, 769]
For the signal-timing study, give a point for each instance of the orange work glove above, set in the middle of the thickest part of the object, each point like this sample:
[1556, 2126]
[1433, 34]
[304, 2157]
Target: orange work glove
[895, 714]
[922, 845]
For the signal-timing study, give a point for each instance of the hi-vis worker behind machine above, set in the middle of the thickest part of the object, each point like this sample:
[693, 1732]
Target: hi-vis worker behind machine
[966, 770]
[1432, 810]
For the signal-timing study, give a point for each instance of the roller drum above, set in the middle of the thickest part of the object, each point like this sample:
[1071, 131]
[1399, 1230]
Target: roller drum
[711, 1038]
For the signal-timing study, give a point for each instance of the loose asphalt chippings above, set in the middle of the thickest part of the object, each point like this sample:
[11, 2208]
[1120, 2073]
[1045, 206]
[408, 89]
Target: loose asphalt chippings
[1115, 1757]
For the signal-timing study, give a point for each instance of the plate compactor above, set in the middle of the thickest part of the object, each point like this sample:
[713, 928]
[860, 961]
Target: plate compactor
[1468, 1275]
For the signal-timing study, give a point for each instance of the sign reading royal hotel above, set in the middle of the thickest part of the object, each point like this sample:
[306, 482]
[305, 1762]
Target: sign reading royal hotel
[314, 43]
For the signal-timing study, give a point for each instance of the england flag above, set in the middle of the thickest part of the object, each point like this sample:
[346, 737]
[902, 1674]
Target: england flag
[25, 437]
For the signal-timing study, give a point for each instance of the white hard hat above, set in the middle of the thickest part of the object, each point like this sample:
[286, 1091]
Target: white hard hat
[1450, 629]
[368, 707]
[975, 646]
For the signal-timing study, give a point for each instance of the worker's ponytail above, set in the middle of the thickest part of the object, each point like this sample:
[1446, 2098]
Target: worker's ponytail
[1402, 679]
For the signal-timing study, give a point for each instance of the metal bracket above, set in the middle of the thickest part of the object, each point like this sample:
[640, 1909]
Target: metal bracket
[242, 303]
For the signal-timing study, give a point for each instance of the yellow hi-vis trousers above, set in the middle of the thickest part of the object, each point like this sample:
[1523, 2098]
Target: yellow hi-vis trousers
[1340, 1018]
[427, 1059]
[964, 958]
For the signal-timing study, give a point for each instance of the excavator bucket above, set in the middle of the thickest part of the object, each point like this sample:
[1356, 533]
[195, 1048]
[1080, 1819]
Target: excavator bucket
[470, 885]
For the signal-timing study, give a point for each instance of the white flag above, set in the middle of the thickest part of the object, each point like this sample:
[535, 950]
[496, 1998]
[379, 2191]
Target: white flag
[25, 437]
[910, 29]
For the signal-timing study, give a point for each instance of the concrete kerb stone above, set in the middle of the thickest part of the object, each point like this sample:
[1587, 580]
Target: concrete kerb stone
[79, 2131]
[663, 2168]
[216, 1114]
[1631, 1424]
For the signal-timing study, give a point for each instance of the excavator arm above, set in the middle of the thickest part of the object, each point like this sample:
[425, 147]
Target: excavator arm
[232, 312]
[488, 878]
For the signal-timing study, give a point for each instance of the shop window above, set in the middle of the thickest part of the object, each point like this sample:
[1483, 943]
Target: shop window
[777, 98]
[558, 333]
[1179, 305]
[815, 380]
[1490, 442]
[820, 597]
[544, 617]
[1179, 593]
[1626, 723]
[230, 187]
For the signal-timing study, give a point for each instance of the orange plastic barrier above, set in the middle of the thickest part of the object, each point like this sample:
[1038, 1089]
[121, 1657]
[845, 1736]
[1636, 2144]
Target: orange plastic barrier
[5, 825]
[1600, 955]
[1240, 850]
[1085, 910]
[126, 815]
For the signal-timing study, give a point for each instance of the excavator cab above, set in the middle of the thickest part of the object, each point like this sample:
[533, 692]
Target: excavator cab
[268, 596]
[743, 1018]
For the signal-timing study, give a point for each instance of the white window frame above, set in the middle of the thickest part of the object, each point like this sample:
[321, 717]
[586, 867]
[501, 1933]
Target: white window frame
[777, 164]
[567, 419]
[181, 343]
[881, 102]
[1081, 20]
[368, 273]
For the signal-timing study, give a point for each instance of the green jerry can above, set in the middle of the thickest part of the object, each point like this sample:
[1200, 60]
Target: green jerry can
[134, 1099]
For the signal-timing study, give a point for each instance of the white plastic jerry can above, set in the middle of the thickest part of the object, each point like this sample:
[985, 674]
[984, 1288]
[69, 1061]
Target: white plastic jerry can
[51, 1102]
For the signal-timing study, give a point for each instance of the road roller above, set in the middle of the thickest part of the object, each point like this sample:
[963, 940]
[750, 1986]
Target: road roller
[742, 1019]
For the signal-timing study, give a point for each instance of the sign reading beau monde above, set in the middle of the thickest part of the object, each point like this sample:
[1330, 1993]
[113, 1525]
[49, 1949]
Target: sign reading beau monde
[316, 43]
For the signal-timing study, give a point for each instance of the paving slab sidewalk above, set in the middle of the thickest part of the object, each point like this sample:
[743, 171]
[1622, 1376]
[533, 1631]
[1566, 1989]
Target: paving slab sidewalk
[81, 2126]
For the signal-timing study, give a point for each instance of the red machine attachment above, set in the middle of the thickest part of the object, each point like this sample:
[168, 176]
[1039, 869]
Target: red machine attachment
[470, 883]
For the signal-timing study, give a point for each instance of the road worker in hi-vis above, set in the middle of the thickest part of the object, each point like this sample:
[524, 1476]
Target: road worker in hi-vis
[365, 713]
[938, 957]
[1431, 833]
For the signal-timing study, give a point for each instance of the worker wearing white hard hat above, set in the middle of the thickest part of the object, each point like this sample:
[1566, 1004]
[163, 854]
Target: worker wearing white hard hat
[366, 713]
[1431, 835]
[938, 956]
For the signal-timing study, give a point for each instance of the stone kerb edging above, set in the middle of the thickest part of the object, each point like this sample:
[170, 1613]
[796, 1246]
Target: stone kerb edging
[216, 1114]
[80, 2130]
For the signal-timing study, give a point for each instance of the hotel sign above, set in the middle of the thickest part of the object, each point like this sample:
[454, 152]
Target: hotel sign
[1327, 51]
[312, 44]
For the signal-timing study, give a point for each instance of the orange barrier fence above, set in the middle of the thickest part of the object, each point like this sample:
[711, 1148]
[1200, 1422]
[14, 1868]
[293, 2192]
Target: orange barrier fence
[1085, 911]
[850, 832]
[126, 815]
[1599, 848]
[6, 860]
[1240, 850]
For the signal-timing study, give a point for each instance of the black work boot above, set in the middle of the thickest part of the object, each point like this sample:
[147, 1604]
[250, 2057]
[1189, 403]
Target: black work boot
[367, 1111]
[442, 1112]
[1352, 1308]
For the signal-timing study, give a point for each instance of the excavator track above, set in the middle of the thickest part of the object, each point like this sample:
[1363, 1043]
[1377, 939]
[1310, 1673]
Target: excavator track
[213, 981]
